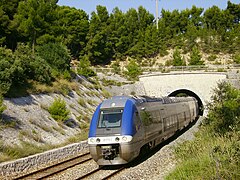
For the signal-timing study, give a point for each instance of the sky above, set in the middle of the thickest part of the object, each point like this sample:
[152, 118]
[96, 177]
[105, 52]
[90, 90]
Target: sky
[90, 5]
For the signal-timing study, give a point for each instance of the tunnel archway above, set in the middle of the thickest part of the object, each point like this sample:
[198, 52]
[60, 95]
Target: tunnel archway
[189, 93]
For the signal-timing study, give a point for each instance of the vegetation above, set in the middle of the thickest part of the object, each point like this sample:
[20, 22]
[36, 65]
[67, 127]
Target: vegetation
[116, 67]
[8, 152]
[133, 70]
[195, 57]
[26, 149]
[56, 55]
[2, 106]
[84, 67]
[109, 82]
[214, 154]
[82, 102]
[58, 110]
[78, 137]
[38, 39]
[236, 58]
[177, 59]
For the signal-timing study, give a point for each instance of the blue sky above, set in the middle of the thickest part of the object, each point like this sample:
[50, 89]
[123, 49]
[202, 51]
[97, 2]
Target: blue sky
[90, 5]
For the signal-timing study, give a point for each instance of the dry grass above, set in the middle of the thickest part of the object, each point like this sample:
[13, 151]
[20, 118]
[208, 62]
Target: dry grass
[61, 86]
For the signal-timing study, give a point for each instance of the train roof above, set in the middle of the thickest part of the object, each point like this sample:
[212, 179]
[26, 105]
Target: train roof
[115, 101]
[164, 100]
[119, 101]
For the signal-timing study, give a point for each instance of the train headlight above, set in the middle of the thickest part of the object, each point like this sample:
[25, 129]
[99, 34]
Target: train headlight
[117, 139]
[97, 140]
[92, 140]
[124, 138]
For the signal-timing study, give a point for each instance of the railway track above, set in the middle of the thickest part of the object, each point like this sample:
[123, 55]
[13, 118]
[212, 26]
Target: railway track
[103, 172]
[57, 168]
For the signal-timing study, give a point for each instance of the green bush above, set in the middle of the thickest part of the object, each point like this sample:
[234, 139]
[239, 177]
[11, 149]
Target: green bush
[208, 157]
[58, 110]
[41, 71]
[215, 151]
[6, 61]
[169, 63]
[84, 67]
[110, 82]
[2, 107]
[177, 59]
[133, 70]
[116, 67]
[17, 68]
[212, 57]
[82, 102]
[67, 75]
[224, 111]
[195, 57]
[56, 55]
[236, 58]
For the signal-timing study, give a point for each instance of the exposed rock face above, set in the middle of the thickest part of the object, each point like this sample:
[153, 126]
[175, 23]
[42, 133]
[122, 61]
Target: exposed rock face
[27, 119]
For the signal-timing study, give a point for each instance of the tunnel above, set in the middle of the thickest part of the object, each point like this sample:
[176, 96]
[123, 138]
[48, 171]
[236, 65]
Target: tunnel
[184, 92]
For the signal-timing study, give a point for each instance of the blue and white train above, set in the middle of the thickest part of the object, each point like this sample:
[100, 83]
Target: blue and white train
[122, 125]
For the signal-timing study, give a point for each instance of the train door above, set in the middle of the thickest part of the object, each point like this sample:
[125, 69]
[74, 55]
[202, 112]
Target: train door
[163, 118]
[140, 132]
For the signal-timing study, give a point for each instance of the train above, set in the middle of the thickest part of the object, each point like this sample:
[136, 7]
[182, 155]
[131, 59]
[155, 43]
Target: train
[122, 126]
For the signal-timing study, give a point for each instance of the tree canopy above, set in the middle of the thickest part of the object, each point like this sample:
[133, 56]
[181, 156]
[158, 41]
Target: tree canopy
[56, 34]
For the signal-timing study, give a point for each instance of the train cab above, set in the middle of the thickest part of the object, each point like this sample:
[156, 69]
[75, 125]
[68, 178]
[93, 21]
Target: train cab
[111, 131]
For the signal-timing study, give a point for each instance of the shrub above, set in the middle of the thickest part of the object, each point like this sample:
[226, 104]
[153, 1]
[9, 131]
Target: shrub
[214, 153]
[212, 57]
[207, 157]
[133, 70]
[58, 110]
[41, 71]
[224, 110]
[177, 59]
[105, 93]
[84, 67]
[110, 82]
[82, 102]
[2, 107]
[21, 67]
[67, 75]
[56, 55]
[169, 63]
[6, 61]
[236, 58]
[116, 67]
[221, 70]
[195, 57]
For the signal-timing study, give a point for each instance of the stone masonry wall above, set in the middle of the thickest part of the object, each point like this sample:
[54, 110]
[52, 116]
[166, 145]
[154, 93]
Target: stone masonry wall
[32, 163]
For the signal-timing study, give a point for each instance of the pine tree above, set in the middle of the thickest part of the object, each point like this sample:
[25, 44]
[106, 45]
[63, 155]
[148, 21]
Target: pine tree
[195, 57]
[84, 67]
[177, 59]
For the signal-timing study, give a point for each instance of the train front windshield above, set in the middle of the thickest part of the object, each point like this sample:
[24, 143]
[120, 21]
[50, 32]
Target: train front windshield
[110, 118]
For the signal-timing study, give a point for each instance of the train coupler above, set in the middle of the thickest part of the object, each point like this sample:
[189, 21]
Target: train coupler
[109, 152]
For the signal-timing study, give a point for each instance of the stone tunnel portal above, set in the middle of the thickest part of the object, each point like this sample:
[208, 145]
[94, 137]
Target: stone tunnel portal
[182, 92]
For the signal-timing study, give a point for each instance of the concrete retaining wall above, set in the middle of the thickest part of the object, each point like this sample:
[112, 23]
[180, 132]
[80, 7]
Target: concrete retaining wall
[201, 83]
[32, 163]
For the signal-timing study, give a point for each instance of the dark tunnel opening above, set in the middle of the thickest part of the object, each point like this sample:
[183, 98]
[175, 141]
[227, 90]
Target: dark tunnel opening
[184, 92]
